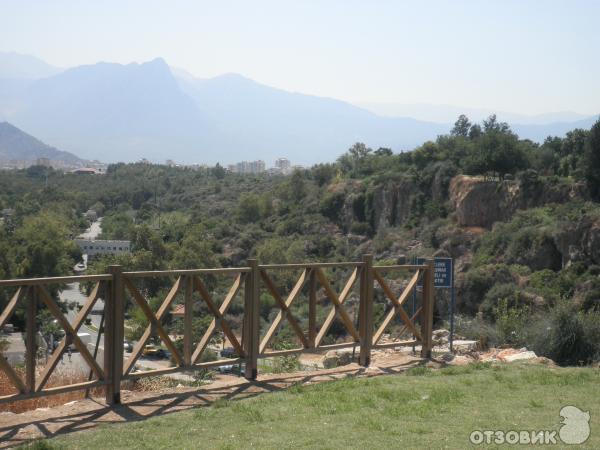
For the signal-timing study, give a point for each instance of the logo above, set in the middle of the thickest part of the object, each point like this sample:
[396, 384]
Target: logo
[575, 429]
[576, 425]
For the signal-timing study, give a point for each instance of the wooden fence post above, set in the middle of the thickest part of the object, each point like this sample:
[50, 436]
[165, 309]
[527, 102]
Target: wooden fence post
[427, 311]
[31, 339]
[252, 320]
[113, 336]
[188, 321]
[365, 321]
[312, 309]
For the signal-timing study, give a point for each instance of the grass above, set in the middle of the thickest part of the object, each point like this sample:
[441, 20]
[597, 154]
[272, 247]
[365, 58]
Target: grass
[419, 409]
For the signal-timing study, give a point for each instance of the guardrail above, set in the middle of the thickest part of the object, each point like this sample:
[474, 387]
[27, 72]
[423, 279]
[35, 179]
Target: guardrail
[118, 287]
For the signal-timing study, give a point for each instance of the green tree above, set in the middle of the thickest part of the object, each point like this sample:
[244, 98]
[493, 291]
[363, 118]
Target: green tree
[248, 208]
[492, 124]
[475, 132]
[265, 204]
[218, 171]
[461, 126]
[497, 151]
[144, 238]
[43, 248]
[195, 250]
[297, 187]
[592, 160]
[281, 251]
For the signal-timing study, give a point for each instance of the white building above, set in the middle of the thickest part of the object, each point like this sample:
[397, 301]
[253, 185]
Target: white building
[248, 167]
[94, 247]
[91, 215]
[283, 164]
[43, 162]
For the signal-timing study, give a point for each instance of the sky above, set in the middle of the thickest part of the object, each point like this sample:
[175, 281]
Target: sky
[522, 56]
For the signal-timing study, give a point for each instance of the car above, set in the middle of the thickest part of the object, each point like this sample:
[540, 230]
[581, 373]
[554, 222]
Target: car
[225, 369]
[163, 354]
[229, 352]
[127, 346]
[154, 351]
[150, 350]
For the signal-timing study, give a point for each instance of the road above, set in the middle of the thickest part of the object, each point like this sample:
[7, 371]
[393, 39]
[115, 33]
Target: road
[73, 295]
[93, 231]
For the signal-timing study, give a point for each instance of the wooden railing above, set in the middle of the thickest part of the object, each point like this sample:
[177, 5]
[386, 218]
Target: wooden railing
[118, 287]
[34, 293]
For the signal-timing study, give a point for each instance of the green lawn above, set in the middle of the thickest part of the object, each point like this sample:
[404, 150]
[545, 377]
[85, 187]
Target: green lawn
[423, 408]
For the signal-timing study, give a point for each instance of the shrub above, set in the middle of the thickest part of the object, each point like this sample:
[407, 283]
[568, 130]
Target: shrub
[507, 292]
[362, 228]
[476, 329]
[332, 204]
[574, 337]
[511, 322]
[479, 281]
[248, 209]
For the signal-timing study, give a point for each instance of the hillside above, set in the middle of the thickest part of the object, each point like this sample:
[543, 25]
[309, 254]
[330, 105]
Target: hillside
[18, 145]
[521, 221]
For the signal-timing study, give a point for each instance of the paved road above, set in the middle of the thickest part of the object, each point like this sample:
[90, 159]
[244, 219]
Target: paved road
[72, 294]
[93, 231]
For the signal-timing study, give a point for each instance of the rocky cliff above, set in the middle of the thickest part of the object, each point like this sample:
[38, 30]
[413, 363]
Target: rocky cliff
[480, 203]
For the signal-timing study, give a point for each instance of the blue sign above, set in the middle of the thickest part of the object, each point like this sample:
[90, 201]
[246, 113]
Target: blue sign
[443, 271]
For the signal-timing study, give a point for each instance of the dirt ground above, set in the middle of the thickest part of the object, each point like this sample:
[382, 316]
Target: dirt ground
[81, 415]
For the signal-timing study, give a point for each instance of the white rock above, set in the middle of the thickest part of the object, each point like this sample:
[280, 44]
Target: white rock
[441, 333]
[461, 360]
[31, 431]
[373, 370]
[464, 345]
[522, 356]
[447, 356]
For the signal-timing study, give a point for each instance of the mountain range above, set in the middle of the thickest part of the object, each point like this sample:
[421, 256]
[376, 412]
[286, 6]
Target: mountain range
[114, 112]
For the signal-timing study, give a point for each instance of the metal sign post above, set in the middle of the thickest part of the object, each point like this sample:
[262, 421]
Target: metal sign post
[444, 278]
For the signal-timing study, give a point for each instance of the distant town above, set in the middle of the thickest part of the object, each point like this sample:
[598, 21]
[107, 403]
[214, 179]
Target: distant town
[79, 167]
[282, 166]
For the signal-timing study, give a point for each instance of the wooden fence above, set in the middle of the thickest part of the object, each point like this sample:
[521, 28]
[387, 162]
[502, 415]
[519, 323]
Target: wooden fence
[116, 287]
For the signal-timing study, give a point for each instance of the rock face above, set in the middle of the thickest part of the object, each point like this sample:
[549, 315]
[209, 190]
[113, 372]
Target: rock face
[388, 204]
[480, 203]
[393, 203]
[580, 241]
